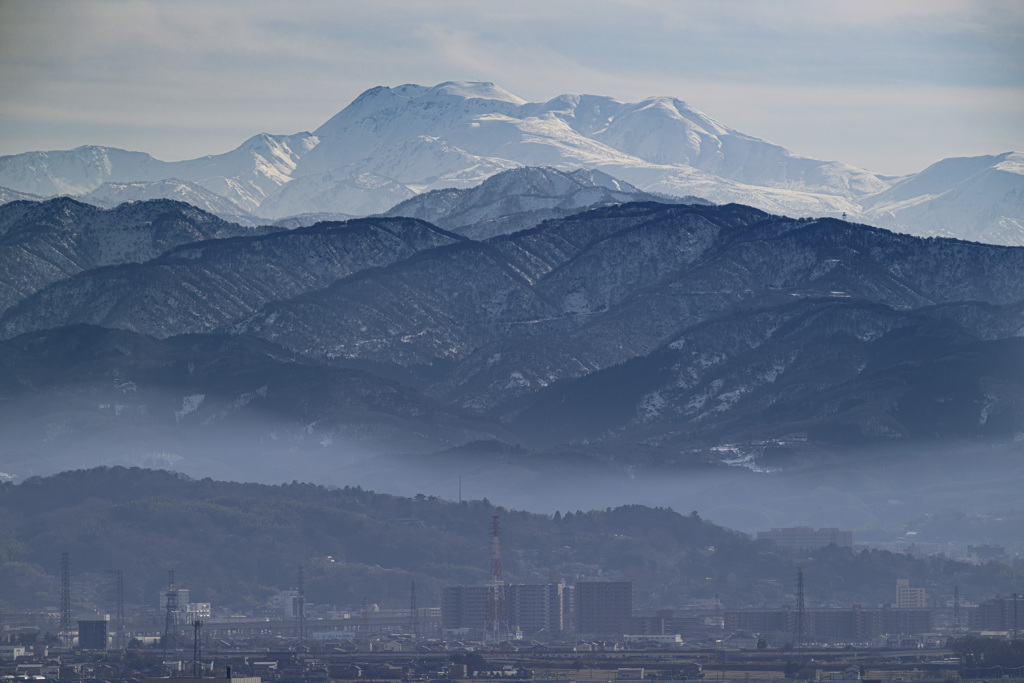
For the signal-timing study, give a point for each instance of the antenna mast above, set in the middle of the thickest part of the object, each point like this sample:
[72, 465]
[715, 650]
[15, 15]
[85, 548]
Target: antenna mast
[496, 623]
[65, 599]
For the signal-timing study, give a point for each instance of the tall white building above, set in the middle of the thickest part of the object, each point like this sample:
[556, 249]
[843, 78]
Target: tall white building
[909, 598]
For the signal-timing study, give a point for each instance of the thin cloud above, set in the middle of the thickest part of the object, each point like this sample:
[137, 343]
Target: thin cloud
[235, 68]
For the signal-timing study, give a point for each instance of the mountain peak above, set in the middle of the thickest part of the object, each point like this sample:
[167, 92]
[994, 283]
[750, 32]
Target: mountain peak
[383, 96]
[482, 90]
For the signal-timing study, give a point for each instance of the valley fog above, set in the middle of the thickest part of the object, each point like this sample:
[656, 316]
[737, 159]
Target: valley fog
[936, 498]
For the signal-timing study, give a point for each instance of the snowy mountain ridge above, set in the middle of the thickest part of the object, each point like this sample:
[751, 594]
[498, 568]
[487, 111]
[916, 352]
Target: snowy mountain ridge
[391, 144]
[109, 195]
[522, 198]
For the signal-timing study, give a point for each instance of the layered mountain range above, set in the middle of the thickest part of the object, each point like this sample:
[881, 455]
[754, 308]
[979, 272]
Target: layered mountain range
[633, 335]
[46, 242]
[391, 144]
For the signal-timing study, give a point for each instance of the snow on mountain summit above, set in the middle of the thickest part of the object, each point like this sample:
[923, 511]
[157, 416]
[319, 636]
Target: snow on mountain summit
[646, 143]
[109, 195]
[76, 171]
[974, 198]
[478, 90]
[518, 199]
[392, 142]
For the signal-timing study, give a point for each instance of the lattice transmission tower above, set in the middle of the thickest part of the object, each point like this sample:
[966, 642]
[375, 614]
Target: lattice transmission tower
[171, 619]
[496, 635]
[197, 646]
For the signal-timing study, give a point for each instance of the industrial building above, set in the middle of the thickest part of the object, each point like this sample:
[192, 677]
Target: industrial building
[92, 634]
[998, 614]
[545, 610]
[536, 610]
[604, 607]
[666, 622]
[854, 625]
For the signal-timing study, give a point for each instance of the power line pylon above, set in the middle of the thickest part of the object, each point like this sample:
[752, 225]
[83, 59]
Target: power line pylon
[197, 645]
[171, 620]
[496, 621]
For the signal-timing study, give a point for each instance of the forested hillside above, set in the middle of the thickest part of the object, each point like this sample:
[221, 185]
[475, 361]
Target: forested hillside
[236, 544]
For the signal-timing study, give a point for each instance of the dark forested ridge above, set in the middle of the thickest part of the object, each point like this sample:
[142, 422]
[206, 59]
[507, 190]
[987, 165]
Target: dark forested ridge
[47, 241]
[644, 329]
[235, 544]
[769, 371]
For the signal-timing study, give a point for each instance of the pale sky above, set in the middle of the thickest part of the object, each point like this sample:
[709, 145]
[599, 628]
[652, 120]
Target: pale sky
[889, 85]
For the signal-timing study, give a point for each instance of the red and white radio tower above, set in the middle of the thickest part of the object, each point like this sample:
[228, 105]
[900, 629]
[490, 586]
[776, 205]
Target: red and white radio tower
[496, 621]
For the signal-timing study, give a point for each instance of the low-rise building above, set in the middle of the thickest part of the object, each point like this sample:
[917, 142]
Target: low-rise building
[652, 640]
[855, 625]
[11, 652]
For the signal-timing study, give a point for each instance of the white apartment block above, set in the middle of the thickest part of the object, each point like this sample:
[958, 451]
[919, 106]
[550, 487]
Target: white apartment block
[909, 598]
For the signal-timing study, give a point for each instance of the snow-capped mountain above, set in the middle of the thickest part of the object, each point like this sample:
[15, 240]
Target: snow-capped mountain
[974, 198]
[77, 171]
[109, 195]
[246, 176]
[256, 170]
[521, 198]
[393, 143]
[339, 191]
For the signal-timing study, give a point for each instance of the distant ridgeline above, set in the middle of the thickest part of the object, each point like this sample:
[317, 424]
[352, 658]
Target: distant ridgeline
[235, 545]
